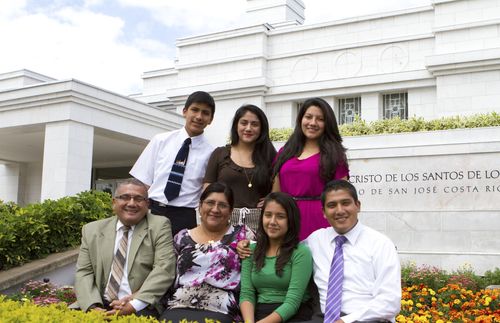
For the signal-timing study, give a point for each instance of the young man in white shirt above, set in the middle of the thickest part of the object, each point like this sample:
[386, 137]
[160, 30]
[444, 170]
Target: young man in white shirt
[371, 285]
[154, 166]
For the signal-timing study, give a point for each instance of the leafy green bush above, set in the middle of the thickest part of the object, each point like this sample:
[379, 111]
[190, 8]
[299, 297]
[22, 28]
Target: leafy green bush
[34, 231]
[360, 127]
[491, 277]
[12, 311]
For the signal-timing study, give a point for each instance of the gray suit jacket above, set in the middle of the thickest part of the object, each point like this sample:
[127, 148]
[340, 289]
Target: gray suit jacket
[151, 260]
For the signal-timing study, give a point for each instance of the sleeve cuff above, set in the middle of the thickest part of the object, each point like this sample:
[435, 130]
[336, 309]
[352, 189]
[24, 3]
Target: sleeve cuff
[138, 305]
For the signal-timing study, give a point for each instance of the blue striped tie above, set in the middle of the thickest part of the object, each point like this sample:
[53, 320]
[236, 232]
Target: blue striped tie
[174, 182]
[334, 292]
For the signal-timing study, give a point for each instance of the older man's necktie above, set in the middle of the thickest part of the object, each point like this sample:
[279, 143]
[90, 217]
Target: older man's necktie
[174, 181]
[118, 267]
[334, 291]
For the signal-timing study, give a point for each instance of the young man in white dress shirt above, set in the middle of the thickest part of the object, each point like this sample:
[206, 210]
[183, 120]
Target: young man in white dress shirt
[154, 166]
[371, 288]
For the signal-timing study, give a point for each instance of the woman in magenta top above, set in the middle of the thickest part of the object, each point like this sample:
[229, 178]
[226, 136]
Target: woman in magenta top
[312, 156]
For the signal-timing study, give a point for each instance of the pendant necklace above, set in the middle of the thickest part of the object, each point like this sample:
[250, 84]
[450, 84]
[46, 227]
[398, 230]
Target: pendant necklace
[249, 179]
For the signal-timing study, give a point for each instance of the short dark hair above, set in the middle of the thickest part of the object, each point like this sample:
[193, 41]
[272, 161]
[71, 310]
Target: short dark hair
[132, 181]
[339, 184]
[218, 187]
[201, 97]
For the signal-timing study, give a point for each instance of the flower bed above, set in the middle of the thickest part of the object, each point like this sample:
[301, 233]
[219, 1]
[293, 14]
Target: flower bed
[429, 295]
[451, 303]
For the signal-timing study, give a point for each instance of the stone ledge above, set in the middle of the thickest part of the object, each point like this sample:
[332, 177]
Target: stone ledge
[17, 275]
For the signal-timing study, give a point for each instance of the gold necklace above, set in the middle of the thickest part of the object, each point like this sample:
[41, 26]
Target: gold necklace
[240, 162]
[249, 180]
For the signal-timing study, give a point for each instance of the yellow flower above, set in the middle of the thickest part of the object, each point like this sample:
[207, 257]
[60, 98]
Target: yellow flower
[439, 321]
[457, 301]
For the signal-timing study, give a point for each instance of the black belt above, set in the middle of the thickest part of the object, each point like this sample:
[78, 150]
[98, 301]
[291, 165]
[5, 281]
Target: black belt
[157, 204]
[166, 206]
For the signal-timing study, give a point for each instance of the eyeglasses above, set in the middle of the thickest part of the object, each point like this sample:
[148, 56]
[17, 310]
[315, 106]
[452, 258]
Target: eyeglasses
[127, 198]
[220, 205]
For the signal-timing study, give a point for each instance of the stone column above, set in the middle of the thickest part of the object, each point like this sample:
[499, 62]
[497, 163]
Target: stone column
[371, 107]
[9, 182]
[67, 159]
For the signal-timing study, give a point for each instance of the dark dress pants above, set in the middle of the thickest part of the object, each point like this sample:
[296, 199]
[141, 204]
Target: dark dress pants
[180, 217]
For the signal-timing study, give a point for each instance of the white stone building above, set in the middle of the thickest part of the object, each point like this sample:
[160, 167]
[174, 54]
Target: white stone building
[437, 195]
[433, 61]
[56, 137]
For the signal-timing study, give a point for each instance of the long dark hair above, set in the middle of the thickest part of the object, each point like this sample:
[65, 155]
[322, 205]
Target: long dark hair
[291, 239]
[332, 151]
[264, 152]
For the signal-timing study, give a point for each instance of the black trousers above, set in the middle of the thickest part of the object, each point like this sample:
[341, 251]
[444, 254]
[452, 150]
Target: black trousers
[180, 217]
[303, 314]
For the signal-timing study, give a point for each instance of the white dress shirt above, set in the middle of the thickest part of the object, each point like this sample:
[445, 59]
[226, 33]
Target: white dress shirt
[124, 285]
[155, 163]
[372, 273]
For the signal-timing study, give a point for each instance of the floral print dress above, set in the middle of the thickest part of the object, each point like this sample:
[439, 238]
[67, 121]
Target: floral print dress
[208, 275]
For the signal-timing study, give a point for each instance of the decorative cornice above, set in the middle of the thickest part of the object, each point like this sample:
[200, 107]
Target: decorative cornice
[224, 90]
[233, 33]
[464, 62]
[26, 73]
[87, 96]
[466, 25]
[220, 61]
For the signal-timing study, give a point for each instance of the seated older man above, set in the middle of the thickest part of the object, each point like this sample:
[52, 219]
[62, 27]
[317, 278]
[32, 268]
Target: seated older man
[126, 262]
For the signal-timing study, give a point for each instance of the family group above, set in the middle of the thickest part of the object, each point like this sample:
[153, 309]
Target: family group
[278, 237]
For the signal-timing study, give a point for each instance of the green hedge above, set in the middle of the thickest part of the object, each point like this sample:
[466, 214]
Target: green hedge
[11, 311]
[37, 230]
[360, 127]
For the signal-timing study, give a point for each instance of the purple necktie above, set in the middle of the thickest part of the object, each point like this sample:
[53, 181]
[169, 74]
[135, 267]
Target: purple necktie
[334, 292]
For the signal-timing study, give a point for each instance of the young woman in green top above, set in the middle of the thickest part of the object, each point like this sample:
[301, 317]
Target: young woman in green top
[275, 278]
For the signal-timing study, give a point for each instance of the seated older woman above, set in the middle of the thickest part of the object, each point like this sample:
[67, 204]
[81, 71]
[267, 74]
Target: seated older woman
[208, 267]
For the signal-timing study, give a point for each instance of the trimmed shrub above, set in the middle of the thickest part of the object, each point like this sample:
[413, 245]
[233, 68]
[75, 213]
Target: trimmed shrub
[360, 127]
[34, 231]
[11, 311]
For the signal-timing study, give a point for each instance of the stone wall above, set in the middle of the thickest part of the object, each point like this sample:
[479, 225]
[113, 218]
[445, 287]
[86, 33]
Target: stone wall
[435, 194]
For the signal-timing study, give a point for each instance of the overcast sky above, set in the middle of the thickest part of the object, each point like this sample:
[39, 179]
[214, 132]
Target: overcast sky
[110, 43]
